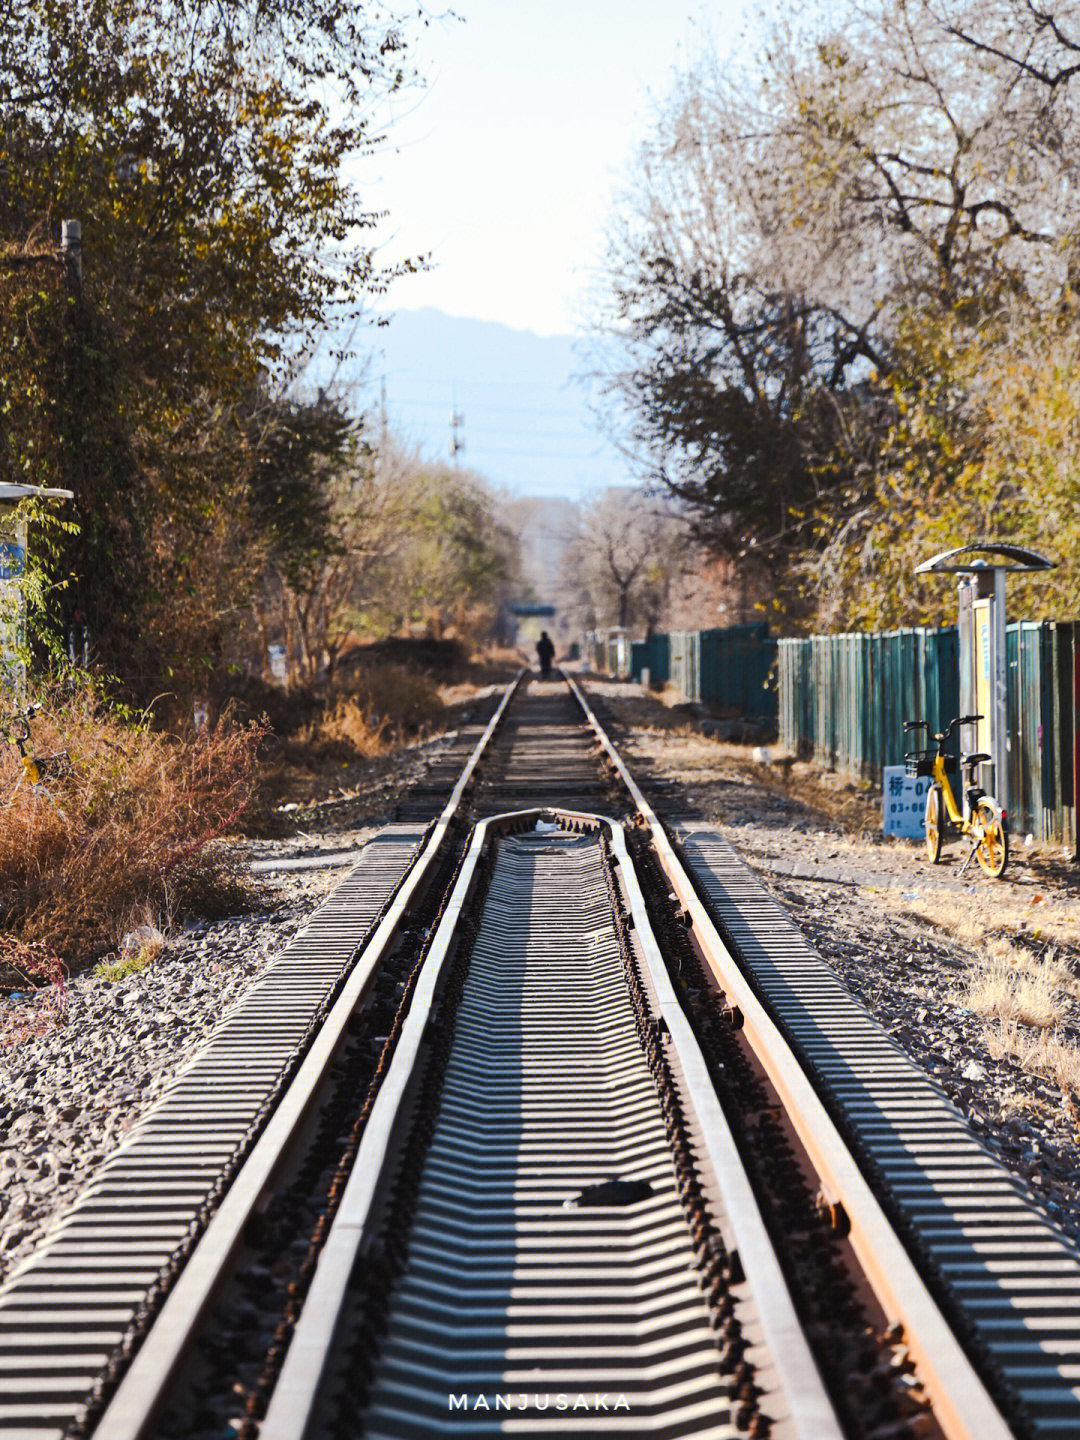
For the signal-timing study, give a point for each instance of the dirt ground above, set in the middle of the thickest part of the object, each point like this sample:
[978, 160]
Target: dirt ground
[979, 980]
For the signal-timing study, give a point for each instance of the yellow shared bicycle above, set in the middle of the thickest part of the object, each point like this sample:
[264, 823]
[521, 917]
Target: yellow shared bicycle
[985, 822]
[36, 769]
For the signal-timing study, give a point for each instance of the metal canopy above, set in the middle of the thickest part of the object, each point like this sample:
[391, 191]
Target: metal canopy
[985, 555]
[9, 494]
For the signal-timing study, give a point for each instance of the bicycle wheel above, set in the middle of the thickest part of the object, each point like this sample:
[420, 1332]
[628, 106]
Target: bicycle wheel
[992, 851]
[934, 823]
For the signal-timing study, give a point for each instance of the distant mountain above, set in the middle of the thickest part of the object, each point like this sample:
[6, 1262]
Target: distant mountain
[524, 419]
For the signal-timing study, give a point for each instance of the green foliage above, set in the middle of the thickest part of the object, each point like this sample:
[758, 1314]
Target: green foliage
[451, 562]
[204, 147]
[986, 446]
[296, 451]
[112, 971]
[33, 305]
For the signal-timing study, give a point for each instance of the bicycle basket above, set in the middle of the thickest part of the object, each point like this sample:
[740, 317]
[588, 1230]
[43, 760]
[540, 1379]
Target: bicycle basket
[920, 762]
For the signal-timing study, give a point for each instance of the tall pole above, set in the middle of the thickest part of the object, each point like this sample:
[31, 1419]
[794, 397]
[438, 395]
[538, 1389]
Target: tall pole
[999, 732]
[73, 442]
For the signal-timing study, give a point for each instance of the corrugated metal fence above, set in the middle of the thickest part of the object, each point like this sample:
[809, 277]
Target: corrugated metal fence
[844, 698]
[732, 667]
[654, 655]
[1044, 727]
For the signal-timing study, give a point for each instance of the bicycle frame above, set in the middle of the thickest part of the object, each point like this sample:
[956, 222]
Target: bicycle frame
[941, 777]
[959, 811]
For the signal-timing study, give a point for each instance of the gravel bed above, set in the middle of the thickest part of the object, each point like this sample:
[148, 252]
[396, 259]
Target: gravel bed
[909, 940]
[70, 1095]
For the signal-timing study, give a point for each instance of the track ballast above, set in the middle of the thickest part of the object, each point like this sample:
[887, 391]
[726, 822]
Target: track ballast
[532, 1204]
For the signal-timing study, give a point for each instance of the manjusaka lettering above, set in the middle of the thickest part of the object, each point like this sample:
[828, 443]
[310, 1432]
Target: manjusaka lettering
[519, 1401]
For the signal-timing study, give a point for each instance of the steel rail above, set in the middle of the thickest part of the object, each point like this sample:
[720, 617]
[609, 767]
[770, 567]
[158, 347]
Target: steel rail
[809, 1408]
[962, 1404]
[804, 1404]
[298, 1384]
[134, 1404]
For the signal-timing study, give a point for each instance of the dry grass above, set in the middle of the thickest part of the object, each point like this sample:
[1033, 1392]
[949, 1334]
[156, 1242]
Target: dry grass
[1002, 991]
[396, 699]
[1020, 973]
[384, 704]
[127, 833]
[347, 730]
[1020, 977]
[1043, 1053]
[999, 913]
[37, 966]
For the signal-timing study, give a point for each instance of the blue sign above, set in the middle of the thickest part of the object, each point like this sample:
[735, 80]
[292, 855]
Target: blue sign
[903, 802]
[12, 560]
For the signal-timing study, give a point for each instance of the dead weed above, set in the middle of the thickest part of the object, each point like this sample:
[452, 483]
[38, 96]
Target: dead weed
[129, 829]
[1043, 1053]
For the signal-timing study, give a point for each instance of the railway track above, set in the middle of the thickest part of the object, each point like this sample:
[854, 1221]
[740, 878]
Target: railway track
[547, 1122]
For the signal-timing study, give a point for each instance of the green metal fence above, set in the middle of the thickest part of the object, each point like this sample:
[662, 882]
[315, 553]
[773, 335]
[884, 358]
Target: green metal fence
[733, 667]
[738, 670]
[654, 655]
[843, 700]
[1044, 727]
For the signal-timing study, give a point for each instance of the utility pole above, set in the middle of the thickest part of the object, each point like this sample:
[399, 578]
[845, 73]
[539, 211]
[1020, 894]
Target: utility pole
[71, 254]
[457, 442]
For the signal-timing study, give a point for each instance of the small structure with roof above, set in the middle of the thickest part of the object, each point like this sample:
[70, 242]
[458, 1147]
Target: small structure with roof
[982, 567]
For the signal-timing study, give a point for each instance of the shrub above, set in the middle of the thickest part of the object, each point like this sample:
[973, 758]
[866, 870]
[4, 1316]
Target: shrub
[396, 700]
[378, 706]
[127, 833]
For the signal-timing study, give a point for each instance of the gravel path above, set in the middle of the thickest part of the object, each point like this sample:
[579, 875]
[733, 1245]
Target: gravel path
[68, 1096]
[978, 980]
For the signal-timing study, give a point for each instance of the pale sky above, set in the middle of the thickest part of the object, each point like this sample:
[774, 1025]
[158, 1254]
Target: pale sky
[504, 167]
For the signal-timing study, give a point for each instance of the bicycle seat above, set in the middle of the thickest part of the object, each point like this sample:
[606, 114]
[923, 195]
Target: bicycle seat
[976, 759]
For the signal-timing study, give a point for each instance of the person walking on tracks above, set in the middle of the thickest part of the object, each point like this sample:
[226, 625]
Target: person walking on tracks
[545, 652]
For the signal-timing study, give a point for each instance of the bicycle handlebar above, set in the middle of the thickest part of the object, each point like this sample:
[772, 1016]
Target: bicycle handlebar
[943, 735]
[16, 726]
[955, 725]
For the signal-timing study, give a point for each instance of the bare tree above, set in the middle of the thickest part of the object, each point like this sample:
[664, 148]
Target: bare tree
[919, 155]
[792, 237]
[619, 566]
